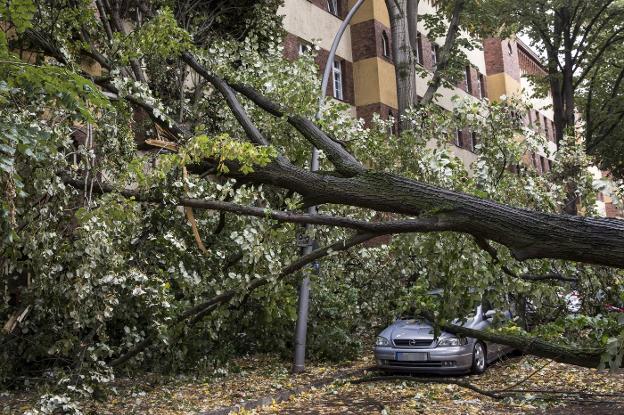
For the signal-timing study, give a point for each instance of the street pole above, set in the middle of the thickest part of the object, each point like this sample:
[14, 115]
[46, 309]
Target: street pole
[301, 329]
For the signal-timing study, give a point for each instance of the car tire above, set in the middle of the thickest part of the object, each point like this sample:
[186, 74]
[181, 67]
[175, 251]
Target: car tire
[479, 358]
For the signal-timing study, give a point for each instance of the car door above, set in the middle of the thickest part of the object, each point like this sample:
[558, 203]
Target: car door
[493, 349]
[498, 350]
[481, 323]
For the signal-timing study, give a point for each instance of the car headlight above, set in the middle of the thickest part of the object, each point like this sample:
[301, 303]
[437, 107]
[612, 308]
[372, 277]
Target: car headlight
[382, 341]
[452, 341]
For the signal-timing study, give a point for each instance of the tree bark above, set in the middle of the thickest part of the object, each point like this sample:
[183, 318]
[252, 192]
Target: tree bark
[403, 54]
[580, 357]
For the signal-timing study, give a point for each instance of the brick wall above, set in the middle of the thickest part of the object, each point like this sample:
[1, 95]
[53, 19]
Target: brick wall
[501, 56]
[474, 81]
[291, 47]
[427, 60]
[366, 40]
[366, 112]
[612, 211]
[528, 65]
[291, 52]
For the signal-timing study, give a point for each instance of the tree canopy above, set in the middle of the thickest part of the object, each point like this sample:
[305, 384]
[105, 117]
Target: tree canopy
[153, 167]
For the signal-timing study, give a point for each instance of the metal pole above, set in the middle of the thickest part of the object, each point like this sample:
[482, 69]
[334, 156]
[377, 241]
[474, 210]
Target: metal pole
[301, 329]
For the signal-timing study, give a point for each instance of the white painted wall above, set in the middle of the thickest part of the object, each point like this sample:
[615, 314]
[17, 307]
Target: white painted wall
[311, 23]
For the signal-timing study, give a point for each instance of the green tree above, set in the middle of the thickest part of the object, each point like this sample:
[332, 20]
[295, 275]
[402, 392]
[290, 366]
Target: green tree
[149, 217]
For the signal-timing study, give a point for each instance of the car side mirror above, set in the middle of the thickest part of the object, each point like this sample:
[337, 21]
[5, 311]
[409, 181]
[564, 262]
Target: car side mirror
[489, 314]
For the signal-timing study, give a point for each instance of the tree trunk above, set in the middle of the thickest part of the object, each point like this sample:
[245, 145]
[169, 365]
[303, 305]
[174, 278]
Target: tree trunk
[402, 53]
[526, 233]
[580, 357]
[568, 69]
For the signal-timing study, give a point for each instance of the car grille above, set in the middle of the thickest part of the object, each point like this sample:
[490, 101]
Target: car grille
[413, 342]
[417, 364]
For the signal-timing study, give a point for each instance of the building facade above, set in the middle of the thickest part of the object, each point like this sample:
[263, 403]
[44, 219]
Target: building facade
[364, 74]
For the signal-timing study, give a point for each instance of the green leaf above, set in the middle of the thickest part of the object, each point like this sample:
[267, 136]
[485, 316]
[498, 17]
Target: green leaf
[21, 13]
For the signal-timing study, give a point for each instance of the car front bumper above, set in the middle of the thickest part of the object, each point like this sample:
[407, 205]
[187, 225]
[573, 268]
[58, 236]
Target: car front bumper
[440, 360]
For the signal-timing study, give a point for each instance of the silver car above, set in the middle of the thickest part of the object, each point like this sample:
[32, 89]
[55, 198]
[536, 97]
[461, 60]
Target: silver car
[409, 345]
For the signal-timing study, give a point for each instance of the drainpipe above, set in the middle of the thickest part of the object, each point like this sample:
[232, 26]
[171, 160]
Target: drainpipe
[301, 329]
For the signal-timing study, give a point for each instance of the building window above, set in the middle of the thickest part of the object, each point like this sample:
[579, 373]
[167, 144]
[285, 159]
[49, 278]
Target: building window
[385, 44]
[475, 141]
[459, 138]
[391, 128]
[481, 86]
[419, 52]
[537, 126]
[434, 54]
[338, 80]
[543, 164]
[546, 132]
[467, 80]
[550, 165]
[332, 7]
[304, 48]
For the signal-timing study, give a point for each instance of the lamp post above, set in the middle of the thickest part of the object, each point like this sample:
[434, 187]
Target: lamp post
[301, 329]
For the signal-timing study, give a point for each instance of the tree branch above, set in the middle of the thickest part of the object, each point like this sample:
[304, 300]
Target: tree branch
[196, 313]
[483, 244]
[230, 97]
[445, 53]
[343, 160]
[564, 354]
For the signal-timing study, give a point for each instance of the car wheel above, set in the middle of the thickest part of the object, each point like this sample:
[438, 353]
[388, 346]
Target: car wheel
[478, 358]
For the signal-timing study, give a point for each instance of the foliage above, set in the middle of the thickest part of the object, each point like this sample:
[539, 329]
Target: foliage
[92, 275]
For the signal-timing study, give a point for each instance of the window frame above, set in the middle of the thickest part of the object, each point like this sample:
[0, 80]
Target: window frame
[434, 53]
[467, 79]
[385, 45]
[459, 138]
[333, 7]
[304, 47]
[337, 79]
[474, 140]
[419, 51]
[481, 86]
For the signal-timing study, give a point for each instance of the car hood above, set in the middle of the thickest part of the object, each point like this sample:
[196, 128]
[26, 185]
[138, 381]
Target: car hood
[410, 329]
[417, 329]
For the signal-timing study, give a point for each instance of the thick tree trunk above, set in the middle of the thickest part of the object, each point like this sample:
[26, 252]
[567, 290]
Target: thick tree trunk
[568, 69]
[580, 357]
[402, 54]
[526, 233]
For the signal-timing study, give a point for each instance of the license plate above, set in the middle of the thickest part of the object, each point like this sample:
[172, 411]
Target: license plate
[412, 357]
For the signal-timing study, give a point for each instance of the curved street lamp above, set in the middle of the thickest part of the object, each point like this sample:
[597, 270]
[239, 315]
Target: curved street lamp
[301, 329]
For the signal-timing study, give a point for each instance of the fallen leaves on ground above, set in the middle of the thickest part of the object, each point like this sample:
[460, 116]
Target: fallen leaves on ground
[261, 376]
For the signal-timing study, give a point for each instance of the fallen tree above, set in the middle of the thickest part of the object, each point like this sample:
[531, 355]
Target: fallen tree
[146, 276]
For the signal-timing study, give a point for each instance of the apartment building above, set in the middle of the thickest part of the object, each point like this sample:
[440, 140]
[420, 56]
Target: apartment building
[364, 74]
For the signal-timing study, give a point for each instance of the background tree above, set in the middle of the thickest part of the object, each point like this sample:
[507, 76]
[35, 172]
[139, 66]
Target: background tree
[601, 105]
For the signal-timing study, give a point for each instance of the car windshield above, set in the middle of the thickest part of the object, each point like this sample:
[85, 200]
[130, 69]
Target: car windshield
[438, 292]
